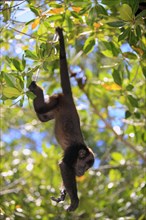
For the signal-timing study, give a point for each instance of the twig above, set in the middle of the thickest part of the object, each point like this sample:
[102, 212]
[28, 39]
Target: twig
[12, 6]
[108, 167]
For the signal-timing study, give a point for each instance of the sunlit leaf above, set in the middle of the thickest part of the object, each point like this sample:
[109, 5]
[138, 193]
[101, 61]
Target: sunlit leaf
[11, 92]
[117, 156]
[56, 10]
[76, 9]
[17, 64]
[126, 12]
[10, 80]
[96, 25]
[35, 23]
[114, 175]
[112, 86]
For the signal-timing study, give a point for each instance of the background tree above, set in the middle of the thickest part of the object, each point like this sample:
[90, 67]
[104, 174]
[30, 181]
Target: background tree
[106, 50]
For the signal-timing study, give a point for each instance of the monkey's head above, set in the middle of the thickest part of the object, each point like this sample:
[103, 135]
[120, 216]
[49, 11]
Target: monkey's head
[84, 161]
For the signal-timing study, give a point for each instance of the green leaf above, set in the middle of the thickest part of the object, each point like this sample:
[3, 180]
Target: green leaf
[130, 55]
[89, 45]
[84, 10]
[117, 156]
[23, 62]
[10, 80]
[17, 64]
[42, 50]
[126, 12]
[127, 114]
[137, 115]
[35, 10]
[138, 31]
[133, 101]
[129, 87]
[144, 71]
[75, 14]
[31, 55]
[124, 34]
[30, 95]
[116, 24]
[117, 77]
[114, 175]
[6, 12]
[132, 38]
[11, 92]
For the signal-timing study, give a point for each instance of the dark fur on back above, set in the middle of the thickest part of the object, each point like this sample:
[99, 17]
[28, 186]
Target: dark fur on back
[71, 153]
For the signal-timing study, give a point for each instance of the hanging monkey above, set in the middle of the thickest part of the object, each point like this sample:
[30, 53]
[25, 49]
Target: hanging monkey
[77, 157]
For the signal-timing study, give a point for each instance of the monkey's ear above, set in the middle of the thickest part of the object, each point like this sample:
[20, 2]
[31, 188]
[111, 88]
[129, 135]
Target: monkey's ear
[82, 153]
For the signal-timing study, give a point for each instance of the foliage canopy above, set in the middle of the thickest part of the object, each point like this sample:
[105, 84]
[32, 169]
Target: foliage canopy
[106, 50]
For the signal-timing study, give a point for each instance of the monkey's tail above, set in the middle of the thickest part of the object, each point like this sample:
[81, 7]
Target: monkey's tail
[65, 82]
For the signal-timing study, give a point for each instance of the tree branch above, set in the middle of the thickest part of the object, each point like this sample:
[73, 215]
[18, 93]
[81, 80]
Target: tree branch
[119, 137]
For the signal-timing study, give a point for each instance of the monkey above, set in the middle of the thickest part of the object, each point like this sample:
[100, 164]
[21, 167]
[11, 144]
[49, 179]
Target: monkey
[77, 156]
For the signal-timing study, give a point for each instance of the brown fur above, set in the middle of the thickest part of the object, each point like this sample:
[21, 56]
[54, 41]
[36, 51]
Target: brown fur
[78, 158]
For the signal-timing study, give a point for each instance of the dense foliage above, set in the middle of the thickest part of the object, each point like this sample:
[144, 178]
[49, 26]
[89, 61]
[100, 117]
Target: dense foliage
[106, 50]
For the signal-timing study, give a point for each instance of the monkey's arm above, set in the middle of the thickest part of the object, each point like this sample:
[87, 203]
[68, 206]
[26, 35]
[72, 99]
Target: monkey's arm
[40, 105]
[69, 182]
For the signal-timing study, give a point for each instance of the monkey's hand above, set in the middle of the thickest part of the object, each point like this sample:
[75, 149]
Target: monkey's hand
[74, 205]
[61, 198]
[32, 86]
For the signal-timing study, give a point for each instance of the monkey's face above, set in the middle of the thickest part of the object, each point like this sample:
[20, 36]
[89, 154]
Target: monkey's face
[84, 161]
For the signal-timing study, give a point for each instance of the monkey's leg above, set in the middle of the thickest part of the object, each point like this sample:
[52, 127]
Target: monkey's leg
[69, 181]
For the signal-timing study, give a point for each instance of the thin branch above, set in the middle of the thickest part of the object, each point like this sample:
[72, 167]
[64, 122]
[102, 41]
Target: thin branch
[119, 137]
[29, 35]
[8, 191]
[13, 6]
[108, 167]
[22, 32]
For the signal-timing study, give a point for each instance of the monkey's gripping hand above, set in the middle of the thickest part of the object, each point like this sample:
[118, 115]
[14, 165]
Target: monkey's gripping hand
[61, 198]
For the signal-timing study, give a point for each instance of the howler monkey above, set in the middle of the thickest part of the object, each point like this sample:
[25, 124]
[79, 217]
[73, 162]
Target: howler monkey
[77, 157]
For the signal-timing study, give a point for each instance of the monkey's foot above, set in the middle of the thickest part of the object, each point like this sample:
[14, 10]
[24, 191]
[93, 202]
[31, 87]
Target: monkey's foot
[73, 206]
[61, 198]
